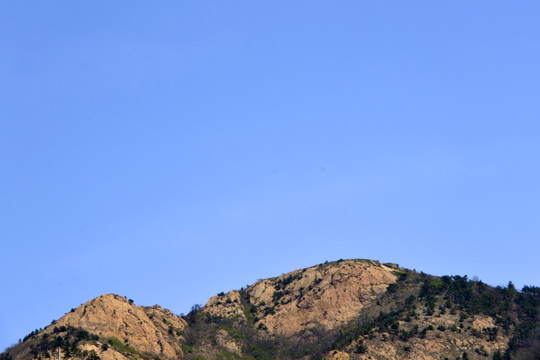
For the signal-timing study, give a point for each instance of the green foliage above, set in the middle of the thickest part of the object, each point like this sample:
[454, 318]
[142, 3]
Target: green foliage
[391, 288]
[174, 331]
[93, 355]
[66, 338]
[531, 290]
[281, 283]
[194, 315]
[269, 310]
[277, 295]
[120, 346]
[226, 355]
[361, 347]
[187, 349]
[388, 322]
[31, 335]
[406, 335]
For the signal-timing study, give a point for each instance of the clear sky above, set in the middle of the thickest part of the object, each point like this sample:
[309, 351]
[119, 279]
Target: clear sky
[171, 150]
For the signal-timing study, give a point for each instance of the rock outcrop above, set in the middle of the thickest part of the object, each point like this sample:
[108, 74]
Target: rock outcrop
[347, 309]
[117, 329]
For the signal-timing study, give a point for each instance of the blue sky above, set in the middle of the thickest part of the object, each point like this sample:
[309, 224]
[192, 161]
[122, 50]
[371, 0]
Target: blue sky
[174, 150]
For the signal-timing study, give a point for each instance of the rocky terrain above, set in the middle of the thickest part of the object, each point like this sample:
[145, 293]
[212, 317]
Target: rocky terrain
[348, 309]
[324, 296]
[114, 328]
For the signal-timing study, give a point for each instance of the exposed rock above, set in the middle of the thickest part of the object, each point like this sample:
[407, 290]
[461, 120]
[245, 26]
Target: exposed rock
[225, 305]
[145, 329]
[337, 355]
[225, 341]
[327, 295]
[348, 309]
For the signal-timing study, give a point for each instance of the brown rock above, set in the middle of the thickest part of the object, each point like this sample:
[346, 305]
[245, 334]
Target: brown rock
[142, 328]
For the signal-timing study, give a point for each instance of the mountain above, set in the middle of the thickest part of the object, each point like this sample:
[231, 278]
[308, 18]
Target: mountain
[347, 309]
[111, 326]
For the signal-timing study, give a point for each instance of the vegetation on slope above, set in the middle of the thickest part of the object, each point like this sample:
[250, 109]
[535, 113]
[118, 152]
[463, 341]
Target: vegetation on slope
[417, 315]
[399, 316]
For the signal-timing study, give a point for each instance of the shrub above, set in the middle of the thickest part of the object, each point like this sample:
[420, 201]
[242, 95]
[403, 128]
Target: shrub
[120, 346]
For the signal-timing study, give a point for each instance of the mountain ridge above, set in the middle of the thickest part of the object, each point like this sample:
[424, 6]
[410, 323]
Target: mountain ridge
[348, 309]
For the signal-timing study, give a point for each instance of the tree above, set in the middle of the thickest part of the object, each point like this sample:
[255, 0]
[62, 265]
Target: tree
[93, 355]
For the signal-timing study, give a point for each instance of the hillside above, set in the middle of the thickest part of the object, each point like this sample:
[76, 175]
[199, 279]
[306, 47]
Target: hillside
[111, 326]
[348, 309]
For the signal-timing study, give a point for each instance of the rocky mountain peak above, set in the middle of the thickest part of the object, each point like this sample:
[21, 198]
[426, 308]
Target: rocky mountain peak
[346, 309]
[326, 295]
[123, 329]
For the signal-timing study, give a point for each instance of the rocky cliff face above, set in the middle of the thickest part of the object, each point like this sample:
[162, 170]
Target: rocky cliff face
[327, 296]
[351, 309]
[143, 328]
[121, 330]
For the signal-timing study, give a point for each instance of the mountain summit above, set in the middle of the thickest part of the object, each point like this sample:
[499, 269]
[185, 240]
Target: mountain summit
[347, 309]
[328, 295]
